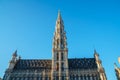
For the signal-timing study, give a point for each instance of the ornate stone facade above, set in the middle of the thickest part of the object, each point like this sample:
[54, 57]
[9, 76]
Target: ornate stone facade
[60, 67]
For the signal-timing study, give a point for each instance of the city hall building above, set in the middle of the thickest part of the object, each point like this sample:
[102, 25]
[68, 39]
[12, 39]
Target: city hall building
[60, 67]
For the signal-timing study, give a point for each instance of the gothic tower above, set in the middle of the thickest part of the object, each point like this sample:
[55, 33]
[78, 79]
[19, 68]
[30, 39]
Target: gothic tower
[59, 52]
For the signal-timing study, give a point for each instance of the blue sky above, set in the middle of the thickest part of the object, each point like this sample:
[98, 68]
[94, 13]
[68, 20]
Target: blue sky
[28, 26]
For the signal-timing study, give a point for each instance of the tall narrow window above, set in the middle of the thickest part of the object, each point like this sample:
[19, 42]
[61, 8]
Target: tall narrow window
[41, 78]
[46, 78]
[37, 78]
[57, 56]
[62, 57]
[49, 78]
[57, 67]
[96, 77]
[81, 77]
[61, 42]
[57, 43]
[77, 77]
[62, 77]
[84, 77]
[57, 78]
[73, 77]
[88, 77]
[93, 77]
[62, 66]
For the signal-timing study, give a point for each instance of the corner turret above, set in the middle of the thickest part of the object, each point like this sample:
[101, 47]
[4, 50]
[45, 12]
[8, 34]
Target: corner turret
[13, 61]
[99, 65]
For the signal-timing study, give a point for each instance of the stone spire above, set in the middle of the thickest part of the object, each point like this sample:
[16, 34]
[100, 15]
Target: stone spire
[59, 35]
[15, 54]
[13, 61]
[59, 51]
[59, 15]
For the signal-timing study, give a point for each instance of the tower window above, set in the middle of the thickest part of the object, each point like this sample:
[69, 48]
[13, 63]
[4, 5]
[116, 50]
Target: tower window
[57, 56]
[62, 66]
[62, 45]
[57, 67]
[57, 43]
[62, 57]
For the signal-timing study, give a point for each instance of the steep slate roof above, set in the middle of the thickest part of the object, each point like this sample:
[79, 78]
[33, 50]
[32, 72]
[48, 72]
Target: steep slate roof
[33, 64]
[74, 63]
[82, 63]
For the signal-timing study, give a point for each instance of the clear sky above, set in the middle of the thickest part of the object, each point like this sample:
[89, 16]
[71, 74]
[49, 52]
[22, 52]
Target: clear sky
[28, 26]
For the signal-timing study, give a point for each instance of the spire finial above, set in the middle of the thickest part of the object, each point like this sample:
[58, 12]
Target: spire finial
[94, 50]
[59, 14]
[15, 53]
